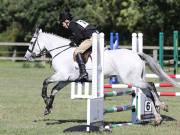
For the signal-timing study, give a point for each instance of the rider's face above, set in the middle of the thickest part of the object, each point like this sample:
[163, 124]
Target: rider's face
[66, 24]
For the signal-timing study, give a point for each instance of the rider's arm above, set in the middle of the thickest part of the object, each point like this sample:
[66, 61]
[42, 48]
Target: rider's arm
[77, 32]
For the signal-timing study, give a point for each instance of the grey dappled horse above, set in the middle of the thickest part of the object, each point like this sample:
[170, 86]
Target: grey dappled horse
[127, 65]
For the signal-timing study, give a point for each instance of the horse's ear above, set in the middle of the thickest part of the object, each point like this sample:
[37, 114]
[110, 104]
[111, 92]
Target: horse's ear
[40, 30]
[36, 31]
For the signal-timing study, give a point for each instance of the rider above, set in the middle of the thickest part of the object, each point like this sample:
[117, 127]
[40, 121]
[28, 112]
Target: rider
[81, 38]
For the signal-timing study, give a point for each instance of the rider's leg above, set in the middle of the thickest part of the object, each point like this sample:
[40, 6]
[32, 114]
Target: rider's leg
[82, 68]
[86, 44]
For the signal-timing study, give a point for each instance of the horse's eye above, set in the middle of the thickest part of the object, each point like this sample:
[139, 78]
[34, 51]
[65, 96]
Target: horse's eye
[31, 42]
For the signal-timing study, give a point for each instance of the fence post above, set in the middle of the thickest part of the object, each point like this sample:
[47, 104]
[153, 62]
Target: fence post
[155, 54]
[14, 55]
[43, 62]
[175, 52]
[161, 45]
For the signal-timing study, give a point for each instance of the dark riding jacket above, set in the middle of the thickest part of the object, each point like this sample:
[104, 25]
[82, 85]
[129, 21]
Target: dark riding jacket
[80, 30]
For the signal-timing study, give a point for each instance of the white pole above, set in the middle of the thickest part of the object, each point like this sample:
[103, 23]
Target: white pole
[94, 65]
[79, 89]
[86, 90]
[140, 42]
[134, 42]
[100, 70]
[73, 87]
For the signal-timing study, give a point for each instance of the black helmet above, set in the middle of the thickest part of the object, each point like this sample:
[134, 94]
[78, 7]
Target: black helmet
[65, 15]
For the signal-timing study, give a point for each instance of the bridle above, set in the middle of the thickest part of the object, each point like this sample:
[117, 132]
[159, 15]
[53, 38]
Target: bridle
[44, 52]
[33, 46]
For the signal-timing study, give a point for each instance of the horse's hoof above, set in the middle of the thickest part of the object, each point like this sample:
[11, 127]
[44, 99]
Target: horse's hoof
[158, 120]
[107, 128]
[164, 107]
[47, 111]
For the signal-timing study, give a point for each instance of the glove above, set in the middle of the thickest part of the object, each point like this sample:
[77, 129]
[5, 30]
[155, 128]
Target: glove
[72, 44]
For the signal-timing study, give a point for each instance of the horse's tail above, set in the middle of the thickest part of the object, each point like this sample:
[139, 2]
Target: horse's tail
[156, 68]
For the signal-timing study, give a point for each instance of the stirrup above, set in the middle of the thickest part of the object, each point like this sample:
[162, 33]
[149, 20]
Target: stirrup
[83, 78]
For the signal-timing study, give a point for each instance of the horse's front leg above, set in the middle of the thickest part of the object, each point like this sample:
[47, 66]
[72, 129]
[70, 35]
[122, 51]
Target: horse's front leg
[44, 91]
[60, 85]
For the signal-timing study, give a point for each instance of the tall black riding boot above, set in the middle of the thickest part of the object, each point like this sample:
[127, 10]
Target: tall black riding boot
[82, 68]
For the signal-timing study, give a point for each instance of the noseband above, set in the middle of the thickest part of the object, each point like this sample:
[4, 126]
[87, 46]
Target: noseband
[33, 46]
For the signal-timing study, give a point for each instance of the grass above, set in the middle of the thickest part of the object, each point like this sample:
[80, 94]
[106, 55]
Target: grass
[21, 107]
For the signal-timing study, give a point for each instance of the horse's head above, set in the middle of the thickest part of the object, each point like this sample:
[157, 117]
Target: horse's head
[34, 49]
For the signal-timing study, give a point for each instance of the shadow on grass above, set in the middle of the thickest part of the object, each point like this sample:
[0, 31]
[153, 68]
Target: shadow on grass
[65, 121]
[167, 118]
[83, 128]
[54, 121]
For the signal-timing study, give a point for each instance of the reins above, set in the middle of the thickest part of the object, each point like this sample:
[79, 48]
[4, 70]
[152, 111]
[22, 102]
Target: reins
[58, 48]
[60, 51]
[47, 51]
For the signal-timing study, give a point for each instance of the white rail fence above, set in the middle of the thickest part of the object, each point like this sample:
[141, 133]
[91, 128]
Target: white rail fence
[15, 57]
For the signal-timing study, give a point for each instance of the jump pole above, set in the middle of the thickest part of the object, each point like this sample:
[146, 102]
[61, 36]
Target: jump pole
[116, 86]
[112, 93]
[175, 76]
[171, 94]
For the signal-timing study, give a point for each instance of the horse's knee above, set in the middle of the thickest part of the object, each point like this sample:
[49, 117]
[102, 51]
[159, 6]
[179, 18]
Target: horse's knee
[45, 83]
[44, 89]
[54, 91]
[43, 95]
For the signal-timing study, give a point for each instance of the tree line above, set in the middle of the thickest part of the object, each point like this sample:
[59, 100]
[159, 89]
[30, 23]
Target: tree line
[18, 19]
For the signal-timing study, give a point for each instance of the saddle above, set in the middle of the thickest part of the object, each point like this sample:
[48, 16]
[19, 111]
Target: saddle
[85, 56]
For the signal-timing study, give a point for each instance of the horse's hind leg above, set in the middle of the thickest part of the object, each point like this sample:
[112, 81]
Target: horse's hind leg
[158, 118]
[54, 91]
[157, 115]
[158, 102]
[150, 87]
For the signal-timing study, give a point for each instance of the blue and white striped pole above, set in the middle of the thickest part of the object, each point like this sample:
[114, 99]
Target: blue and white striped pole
[114, 45]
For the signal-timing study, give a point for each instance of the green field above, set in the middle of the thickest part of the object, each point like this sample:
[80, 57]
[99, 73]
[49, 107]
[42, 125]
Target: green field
[21, 107]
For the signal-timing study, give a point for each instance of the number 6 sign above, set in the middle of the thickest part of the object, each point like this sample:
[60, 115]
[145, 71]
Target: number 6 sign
[147, 106]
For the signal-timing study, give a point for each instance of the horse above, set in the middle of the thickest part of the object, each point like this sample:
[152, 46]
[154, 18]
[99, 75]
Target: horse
[128, 66]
